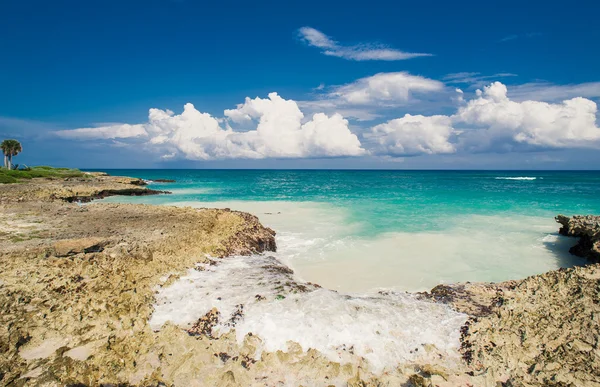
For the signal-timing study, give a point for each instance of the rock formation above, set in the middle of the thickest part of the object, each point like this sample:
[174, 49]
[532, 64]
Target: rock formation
[587, 229]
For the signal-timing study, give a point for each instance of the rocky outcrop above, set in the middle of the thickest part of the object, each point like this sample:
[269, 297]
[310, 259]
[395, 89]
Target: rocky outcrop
[587, 229]
[76, 290]
[87, 197]
[79, 189]
[474, 299]
[546, 332]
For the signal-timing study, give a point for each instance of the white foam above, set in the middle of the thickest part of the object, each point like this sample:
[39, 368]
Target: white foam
[516, 178]
[385, 329]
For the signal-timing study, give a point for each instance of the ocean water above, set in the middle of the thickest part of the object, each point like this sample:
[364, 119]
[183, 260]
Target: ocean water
[355, 231]
[368, 237]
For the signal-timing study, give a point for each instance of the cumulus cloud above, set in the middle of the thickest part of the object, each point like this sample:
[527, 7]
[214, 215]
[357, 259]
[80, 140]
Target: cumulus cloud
[493, 122]
[385, 87]
[278, 133]
[360, 52]
[571, 123]
[273, 127]
[363, 98]
[414, 135]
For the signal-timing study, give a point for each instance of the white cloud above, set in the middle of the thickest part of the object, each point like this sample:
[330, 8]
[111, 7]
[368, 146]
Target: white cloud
[571, 123]
[386, 88]
[364, 98]
[358, 52]
[279, 133]
[413, 135]
[492, 122]
[104, 132]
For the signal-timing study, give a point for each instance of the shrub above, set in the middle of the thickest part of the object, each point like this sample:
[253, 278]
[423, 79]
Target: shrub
[4, 179]
[42, 172]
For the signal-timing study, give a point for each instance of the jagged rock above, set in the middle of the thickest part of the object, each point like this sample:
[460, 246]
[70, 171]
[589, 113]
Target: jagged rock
[545, 333]
[474, 299]
[94, 186]
[587, 229]
[138, 182]
[205, 324]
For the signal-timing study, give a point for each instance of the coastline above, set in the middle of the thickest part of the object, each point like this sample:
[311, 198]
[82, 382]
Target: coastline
[78, 285]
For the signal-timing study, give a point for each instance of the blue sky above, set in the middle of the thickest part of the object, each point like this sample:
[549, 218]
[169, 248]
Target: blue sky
[73, 65]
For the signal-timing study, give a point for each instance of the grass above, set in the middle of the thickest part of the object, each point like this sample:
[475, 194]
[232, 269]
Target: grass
[11, 177]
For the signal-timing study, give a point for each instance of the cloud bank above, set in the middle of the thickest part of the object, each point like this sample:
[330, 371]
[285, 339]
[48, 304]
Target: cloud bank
[274, 127]
[360, 52]
[278, 133]
[491, 122]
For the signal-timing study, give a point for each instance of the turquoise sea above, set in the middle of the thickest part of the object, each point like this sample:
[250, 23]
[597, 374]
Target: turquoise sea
[409, 230]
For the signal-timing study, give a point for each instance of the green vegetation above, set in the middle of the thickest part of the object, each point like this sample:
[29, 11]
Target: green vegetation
[10, 148]
[14, 176]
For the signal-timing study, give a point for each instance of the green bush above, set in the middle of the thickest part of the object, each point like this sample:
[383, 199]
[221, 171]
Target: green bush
[4, 179]
[18, 174]
[40, 172]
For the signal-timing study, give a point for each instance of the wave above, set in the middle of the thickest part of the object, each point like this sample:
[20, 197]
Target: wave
[385, 328]
[516, 178]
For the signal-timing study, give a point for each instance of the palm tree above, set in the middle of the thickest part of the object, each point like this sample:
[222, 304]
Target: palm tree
[10, 148]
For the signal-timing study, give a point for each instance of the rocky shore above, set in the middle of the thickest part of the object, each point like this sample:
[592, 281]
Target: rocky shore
[78, 284]
[587, 229]
[94, 185]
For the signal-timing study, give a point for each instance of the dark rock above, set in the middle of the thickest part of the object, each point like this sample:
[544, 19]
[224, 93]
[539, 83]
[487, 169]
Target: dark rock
[114, 192]
[205, 325]
[587, 229]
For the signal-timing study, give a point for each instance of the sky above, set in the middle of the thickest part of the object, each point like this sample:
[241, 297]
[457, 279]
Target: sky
[311, 84]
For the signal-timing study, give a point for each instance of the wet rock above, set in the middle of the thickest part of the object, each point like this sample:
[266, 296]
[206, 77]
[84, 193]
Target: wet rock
[140, 182]
[474, 299]
[205, 325]
[587, 229]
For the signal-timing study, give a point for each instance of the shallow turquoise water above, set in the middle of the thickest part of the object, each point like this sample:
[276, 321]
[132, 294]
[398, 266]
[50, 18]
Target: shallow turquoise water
[392, 200]
[470, 225]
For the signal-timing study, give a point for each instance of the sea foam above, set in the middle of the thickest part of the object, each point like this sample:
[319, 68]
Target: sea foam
[516, 178]
[385, 328]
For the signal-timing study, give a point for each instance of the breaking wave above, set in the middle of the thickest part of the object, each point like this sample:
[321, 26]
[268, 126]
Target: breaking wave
[259, 295]
[517, 178]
